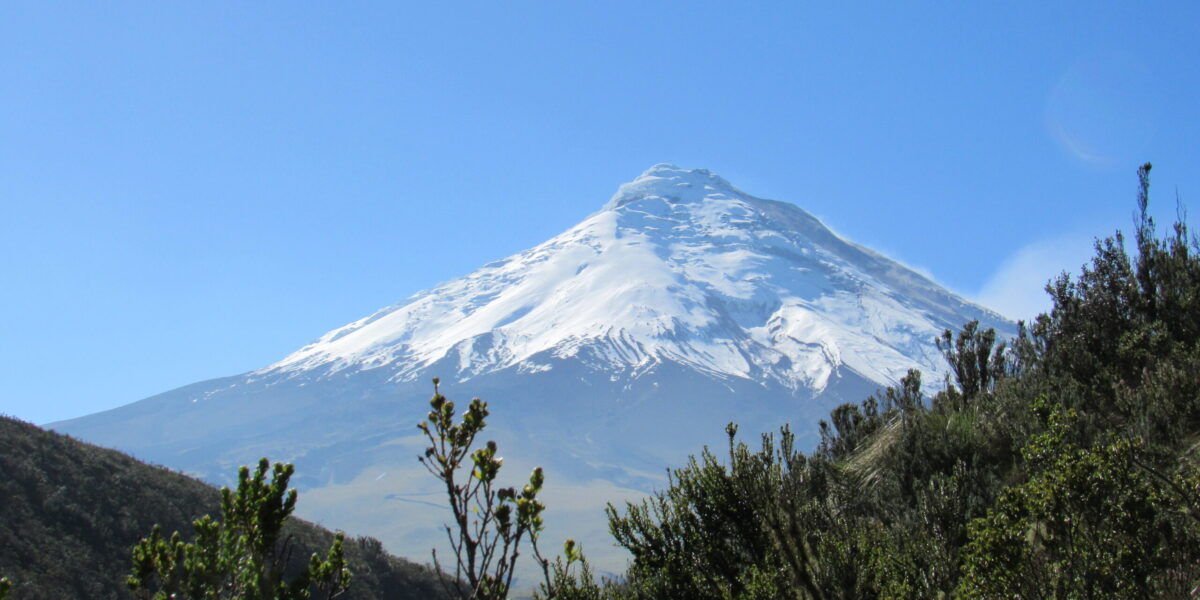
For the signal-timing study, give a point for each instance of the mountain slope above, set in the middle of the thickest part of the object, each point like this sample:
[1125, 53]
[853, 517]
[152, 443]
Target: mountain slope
[679, 266]
[607, 353]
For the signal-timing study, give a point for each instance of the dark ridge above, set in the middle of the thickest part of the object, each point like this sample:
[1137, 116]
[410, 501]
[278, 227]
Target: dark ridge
[71, 512]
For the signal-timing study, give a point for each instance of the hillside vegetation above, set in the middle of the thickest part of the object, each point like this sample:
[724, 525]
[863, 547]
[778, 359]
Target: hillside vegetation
[1061, 464]
[71, 513]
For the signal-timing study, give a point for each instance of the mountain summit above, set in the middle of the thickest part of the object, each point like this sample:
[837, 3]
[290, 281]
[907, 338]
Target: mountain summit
[679, 266]
[607, 353]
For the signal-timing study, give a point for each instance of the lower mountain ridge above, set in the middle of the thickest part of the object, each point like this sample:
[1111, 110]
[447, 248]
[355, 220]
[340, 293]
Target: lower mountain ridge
[73, 512]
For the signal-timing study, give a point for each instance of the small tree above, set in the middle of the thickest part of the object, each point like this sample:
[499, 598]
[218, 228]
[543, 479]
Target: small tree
[241, 555]
[4, 585]
[489, 522]
[975, 358]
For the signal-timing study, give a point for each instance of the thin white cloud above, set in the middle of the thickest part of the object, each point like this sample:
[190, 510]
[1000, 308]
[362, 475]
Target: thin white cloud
[1017, 289]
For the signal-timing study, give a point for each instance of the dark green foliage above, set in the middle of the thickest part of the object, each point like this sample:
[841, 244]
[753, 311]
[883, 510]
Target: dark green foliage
[1091, 523]
[1062, 464]
[736, 530]
[72, 513]
[974, 359]
[5, 585]
[241, 556]
[1124, 320]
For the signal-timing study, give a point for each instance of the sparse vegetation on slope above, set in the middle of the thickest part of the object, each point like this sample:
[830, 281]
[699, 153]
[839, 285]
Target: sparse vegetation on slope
[72, 513]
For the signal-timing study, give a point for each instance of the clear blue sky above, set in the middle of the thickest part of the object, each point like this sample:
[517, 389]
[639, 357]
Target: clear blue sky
[193, 190]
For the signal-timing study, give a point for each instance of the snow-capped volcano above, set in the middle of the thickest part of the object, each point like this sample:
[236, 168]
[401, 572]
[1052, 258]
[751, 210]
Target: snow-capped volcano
[607, 353]
[678, 266]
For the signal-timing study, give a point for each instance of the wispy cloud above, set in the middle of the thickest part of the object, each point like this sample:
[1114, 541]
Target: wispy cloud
[1017, 288]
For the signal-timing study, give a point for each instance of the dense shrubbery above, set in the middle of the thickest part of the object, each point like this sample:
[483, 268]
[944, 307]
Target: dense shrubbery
[1063, 465]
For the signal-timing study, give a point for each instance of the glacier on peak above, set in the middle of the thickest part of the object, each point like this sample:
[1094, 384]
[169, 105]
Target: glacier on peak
[679, 266]
[665, 179]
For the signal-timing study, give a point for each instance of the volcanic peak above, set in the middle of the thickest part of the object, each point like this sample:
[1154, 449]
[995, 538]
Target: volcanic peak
[673, 184]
